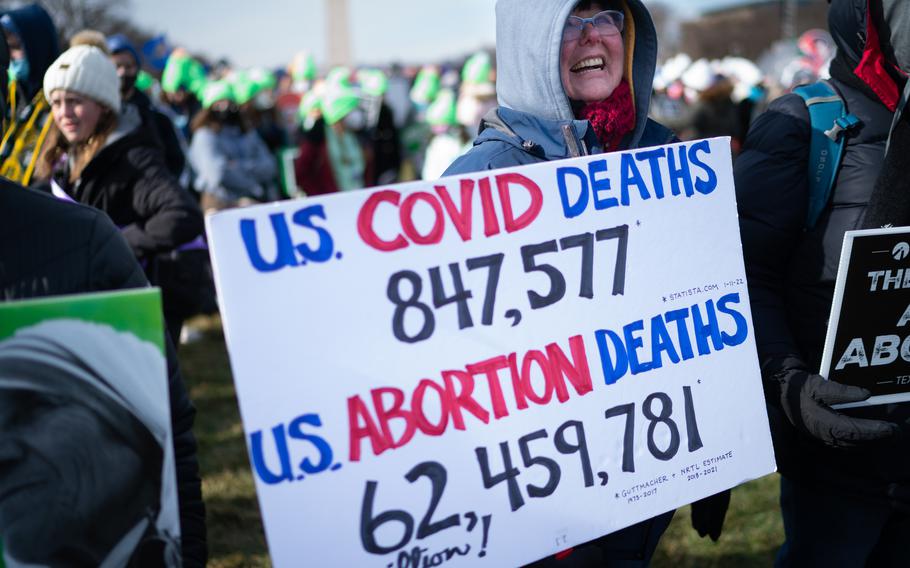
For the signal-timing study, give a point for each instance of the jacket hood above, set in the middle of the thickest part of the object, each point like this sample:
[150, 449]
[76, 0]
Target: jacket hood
[38, 35]
[862, 30]
[528, 43]
[546, 139]
[128, 121]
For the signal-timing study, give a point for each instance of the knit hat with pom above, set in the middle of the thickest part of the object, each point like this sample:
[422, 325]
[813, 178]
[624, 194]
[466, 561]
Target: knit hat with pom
[86, 70]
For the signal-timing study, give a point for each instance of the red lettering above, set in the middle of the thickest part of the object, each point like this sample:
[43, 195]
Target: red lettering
[503, 181]
[396, 411]
[357, 414]
[576, 371]
[420, 418]
[406, 213]
[520, 401]
[528, 388]
[463, 399]
[365, 222]
[491, 368]
[490, 221]
[461, 219]
[408, 411]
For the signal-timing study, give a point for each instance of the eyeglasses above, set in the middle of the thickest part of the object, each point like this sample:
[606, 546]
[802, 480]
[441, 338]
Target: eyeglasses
[607, 23]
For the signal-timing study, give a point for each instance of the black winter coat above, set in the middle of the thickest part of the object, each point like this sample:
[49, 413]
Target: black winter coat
[159, 124]
[791, 270]
[129, 181]
[48, 248]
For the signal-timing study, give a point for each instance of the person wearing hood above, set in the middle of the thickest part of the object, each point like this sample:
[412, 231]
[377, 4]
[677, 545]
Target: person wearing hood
[232, 163]
[477, 93]
[128, 63]
[380, 136]
[182, 83]
[845, 474]
[331, 156]
[32, 39]
[572, 79]
[50, 247]
[100, 156]
[566, 86]
[449, 137]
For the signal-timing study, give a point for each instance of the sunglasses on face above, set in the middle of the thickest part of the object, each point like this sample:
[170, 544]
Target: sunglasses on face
[607, 23]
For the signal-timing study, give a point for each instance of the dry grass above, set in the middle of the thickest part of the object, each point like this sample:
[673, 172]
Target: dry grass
[752, 533]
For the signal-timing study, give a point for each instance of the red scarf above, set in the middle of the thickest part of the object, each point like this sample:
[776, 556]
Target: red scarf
[613, 117]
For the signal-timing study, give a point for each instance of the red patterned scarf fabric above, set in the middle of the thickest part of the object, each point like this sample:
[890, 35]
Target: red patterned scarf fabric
[613, 117]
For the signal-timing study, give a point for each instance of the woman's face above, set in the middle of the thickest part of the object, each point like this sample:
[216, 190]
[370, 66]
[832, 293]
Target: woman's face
[75, 115]
[591, 66]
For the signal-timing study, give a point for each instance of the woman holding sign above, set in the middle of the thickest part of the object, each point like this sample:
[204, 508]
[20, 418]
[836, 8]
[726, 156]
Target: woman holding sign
[574, 78]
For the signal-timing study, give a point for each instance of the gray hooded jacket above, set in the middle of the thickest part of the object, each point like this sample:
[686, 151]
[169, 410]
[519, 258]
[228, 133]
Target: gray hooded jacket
[535, 121]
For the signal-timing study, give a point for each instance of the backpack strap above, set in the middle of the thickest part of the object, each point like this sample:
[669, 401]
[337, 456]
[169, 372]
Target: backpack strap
[830, 122]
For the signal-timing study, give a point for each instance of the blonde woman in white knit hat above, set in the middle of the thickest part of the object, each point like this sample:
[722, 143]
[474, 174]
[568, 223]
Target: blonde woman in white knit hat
[98, 154]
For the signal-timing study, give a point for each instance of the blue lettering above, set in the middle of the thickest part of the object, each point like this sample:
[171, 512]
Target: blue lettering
[653, 159]
[285, 247]
[661, 342]
[572, 209]
[620, 354]
[631, 176]
[705, 330]
[703, 186]
[633, 344]
[612, 372]
[262, 469]
[742, 327]
[685, 344]
[325, 451]
[599, 185]
[303, 218]
[680, 173]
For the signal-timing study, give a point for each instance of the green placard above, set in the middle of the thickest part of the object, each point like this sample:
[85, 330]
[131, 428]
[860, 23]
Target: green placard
[136, 311]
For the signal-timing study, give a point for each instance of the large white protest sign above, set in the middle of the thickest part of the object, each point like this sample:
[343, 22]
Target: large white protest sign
[491, 368]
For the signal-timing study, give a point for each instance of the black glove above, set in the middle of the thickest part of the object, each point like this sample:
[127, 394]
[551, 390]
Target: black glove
[709, 513]
[806, 401]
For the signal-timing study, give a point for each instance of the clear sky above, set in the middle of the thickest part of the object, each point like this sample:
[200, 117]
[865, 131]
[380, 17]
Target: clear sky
[269, 32]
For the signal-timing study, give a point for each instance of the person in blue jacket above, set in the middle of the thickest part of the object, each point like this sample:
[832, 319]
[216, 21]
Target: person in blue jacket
[574, 79]
[566, 91]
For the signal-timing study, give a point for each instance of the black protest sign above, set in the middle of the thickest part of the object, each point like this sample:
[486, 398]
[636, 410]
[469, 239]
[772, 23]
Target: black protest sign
[868, 342]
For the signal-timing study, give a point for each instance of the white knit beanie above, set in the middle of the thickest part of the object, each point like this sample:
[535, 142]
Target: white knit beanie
[86, 70]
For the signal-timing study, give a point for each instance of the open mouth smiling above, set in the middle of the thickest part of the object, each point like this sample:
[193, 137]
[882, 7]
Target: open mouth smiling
[588, 64]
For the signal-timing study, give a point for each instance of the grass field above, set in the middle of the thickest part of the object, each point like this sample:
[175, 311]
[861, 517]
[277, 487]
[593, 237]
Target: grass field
[751, 535]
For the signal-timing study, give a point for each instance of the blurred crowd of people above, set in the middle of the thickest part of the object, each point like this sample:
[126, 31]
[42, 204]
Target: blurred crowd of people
[234, 136]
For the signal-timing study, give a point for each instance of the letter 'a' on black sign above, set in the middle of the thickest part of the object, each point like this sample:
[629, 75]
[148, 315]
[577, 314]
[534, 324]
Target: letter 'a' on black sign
[868, 340]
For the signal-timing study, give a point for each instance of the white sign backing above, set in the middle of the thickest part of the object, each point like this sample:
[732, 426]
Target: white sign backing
[490, 368]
